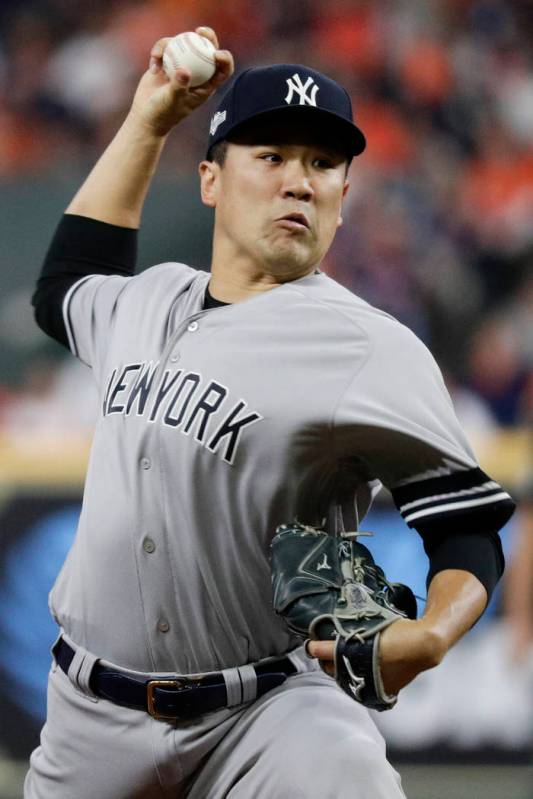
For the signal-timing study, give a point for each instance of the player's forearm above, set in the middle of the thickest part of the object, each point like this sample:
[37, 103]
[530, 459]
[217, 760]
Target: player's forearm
[456, 600]
[116, 188]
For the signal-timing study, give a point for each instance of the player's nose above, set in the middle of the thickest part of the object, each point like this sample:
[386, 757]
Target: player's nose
[296, 183]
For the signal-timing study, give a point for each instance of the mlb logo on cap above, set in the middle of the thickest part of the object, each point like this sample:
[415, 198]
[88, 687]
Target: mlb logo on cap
[217, 120]
[263, 90]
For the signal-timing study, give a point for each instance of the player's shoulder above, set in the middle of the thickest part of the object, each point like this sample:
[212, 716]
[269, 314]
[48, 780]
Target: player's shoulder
[169, 272]
[348, 309]
[165, 281]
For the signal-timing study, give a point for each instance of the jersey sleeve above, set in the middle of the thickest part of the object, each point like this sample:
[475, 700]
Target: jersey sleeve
[89, 311]
[397, 420]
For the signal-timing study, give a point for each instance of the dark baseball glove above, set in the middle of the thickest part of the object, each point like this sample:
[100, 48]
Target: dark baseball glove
[329, 588]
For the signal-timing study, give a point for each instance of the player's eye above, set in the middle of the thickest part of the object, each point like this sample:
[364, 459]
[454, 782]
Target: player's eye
[323, 163]
[273, 158]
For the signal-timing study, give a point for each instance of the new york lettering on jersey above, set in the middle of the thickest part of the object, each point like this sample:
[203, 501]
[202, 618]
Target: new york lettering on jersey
[182, 400]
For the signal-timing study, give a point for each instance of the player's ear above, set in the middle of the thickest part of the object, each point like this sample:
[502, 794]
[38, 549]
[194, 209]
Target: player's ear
[209, 172]
[344, 192]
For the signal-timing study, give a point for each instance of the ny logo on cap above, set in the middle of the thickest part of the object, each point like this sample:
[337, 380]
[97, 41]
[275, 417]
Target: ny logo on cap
[217, 120]
[306, 91]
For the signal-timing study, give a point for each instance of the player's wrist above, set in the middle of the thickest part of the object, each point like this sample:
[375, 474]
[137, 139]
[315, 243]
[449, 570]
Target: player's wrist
[432, 645]
[407, 648]
[150, 128]
[414, 645]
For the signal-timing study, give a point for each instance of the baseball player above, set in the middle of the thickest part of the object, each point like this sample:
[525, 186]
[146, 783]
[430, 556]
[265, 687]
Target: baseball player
[230, 402]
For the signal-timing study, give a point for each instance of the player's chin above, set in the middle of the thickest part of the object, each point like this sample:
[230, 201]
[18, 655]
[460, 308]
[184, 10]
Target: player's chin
[293, 249]
[288, 265]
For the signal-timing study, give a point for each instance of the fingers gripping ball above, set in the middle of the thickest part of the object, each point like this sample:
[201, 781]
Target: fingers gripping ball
[192, 51]
[329, 588]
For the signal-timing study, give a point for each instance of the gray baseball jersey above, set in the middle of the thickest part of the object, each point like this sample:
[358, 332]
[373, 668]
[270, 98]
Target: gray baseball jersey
[216, 426]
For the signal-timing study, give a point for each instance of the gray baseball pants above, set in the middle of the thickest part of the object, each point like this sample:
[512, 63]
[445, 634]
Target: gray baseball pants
[304, 740]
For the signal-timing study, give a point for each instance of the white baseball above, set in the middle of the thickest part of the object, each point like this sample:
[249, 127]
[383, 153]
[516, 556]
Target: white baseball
[192, 51]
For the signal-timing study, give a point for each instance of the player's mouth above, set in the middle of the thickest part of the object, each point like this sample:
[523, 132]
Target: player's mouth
[294, 221]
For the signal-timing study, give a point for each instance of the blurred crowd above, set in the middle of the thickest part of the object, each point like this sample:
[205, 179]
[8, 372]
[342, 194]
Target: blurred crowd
[438, 222]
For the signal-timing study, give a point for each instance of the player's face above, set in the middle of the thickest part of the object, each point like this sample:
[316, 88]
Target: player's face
[278, 199]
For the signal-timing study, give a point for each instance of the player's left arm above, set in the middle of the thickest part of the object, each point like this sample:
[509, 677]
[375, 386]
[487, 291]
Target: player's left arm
[456, 600]
[413, 443]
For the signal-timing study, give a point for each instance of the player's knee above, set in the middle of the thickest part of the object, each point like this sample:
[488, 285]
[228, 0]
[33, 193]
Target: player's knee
[352, 760]
[357, 756]
[361, 769]
[356, 773]
[357, 767]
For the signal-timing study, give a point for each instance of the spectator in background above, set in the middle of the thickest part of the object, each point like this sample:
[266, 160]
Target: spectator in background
[54, 400]
[496, 368]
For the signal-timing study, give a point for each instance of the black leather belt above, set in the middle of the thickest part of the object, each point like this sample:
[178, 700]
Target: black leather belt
[171, 697]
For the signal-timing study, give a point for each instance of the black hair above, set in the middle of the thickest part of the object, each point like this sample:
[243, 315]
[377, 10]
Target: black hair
[218, 152]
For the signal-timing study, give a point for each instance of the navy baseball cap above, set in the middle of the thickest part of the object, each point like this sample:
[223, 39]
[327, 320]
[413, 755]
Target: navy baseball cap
[293, 89]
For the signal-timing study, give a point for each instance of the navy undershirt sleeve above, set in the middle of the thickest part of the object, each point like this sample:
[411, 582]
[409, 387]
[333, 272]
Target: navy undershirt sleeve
[81, 246]
[479, 553]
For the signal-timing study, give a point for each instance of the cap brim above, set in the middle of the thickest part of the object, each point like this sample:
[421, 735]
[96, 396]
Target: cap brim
[350, 138]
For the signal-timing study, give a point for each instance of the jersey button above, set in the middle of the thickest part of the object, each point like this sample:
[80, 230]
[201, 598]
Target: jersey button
[146, 463]
[175, 357]
[148, 545]
[192, 326]
[163, 626]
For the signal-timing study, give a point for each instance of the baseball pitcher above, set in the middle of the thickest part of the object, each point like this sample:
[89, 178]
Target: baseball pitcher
[222, 628]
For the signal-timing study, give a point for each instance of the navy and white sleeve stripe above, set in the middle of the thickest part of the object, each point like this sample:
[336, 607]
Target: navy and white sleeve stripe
[463, 493]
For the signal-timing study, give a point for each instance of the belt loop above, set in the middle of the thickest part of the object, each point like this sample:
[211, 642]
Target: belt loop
[52, 651]
[233, 686]
[79, 672]
[249, 682]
